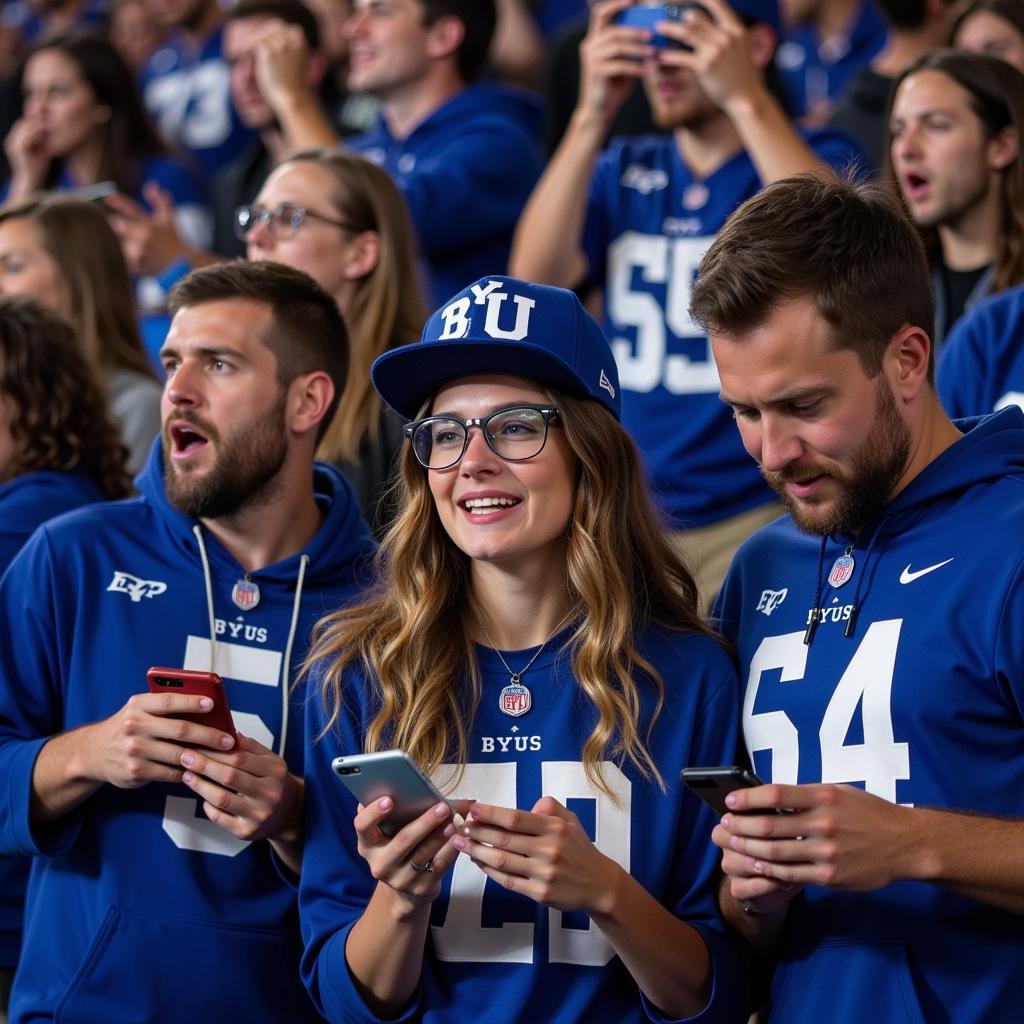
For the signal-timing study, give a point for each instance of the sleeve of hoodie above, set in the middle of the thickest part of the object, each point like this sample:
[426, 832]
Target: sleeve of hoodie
[471, 185]
[32, 603]
[981, 365]
[1009, 646]
[335, 885]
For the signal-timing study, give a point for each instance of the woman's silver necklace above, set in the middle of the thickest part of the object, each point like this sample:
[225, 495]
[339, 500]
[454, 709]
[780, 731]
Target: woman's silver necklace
[515, 699]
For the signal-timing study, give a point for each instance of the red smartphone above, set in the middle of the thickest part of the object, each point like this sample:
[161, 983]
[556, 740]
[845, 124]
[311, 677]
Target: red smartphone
[199, 684]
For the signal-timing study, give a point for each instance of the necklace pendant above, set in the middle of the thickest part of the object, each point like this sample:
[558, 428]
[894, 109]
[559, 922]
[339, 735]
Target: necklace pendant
[515, 699]
[245, 594]
[842, 569]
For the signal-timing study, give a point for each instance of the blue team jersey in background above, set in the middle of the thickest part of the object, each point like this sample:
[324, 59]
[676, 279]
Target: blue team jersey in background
[186, 92]
[981, 365]
[649, 222]
[922, 705]
[495, 957]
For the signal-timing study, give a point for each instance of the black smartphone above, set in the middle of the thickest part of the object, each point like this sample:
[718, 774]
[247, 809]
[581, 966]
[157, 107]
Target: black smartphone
[713, 785]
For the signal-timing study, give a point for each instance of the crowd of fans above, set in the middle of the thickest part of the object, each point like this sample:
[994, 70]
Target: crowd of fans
[223, 227]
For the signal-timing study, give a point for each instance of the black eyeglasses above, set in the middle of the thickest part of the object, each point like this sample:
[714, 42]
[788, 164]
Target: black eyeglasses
[282, 221]
[514, 434]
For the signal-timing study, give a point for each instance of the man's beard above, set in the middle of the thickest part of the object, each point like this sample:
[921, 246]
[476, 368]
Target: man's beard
[877, 467]
[244, 471]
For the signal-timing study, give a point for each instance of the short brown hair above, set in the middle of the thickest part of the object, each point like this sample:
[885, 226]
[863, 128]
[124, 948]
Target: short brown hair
[307, 332]
[849, 247]
[60, 418]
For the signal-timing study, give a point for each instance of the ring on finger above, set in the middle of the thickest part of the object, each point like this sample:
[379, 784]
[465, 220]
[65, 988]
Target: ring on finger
[429, 866]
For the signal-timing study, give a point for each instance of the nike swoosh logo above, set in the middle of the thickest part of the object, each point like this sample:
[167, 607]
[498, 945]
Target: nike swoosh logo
[908, 577]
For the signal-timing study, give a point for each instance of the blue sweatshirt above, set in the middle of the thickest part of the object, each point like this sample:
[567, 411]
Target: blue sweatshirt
[26, 502]
[981, 364]
[496, 957]
[139, 908]
[922, 705]
[466, 172]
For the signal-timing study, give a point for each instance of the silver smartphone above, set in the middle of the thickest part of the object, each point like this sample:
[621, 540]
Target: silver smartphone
[390, 773]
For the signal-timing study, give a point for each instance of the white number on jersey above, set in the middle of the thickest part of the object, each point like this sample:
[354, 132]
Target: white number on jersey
[462, 937]
[204, 125]
[879, 762]
[672, 262]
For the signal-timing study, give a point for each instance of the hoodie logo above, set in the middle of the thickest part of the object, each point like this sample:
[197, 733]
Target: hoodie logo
[908, 577]
[771, 599]
[135, 588]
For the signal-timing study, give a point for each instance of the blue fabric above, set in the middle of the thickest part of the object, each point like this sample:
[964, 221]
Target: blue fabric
[813, 76]
[503, 325]
[138, 908]
[922, 705]
[187, 94]
[466, 172]
[648, 224]
[981, 365]
[495, 957]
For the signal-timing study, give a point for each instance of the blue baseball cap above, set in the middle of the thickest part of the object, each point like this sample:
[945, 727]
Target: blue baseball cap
[766, 11]
[502, 325]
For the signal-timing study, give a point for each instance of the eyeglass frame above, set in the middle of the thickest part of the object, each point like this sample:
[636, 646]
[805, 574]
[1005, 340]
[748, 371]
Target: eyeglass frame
[269, 216]
[548, 412]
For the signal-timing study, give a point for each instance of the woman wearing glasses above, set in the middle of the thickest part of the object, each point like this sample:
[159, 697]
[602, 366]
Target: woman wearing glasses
[535, 644]
[341, 219]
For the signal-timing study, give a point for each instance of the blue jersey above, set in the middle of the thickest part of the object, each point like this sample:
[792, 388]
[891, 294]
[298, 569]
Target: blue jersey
[466, 172]
[981, 366]
[496, 957]
[139, 908]
[815, 73]
[922, 705]
[648, 224]
[186, 92]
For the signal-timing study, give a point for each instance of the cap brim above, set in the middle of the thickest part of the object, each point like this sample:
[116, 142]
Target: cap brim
[406, 377]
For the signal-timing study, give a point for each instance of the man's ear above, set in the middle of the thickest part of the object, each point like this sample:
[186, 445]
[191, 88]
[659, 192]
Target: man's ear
[445, 37]
[1004, 148]
[907, 360]
[361, 256]
[309, 397]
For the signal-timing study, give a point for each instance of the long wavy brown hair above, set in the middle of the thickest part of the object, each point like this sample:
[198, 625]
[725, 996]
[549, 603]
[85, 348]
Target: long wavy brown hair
[996, 93]
[59, 417]
[386, 308]
[94, 280]
[413, 636]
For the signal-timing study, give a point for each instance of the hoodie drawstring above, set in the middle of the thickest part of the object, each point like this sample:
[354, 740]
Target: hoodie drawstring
[296, 606]
[851, 623]
[812, 625]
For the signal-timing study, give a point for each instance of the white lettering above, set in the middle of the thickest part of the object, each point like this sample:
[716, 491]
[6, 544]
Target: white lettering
[523, 307]
[456, 324]
[480, 294]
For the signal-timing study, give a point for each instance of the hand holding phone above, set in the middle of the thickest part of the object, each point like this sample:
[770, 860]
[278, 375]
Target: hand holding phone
[201, 684]
[713, 785]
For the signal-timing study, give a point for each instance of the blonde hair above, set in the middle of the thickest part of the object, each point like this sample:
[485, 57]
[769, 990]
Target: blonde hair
[386, 308]
[412, 637]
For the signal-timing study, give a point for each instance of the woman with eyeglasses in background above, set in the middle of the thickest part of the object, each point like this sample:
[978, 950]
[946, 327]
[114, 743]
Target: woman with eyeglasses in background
[536, 645]
[341, 219]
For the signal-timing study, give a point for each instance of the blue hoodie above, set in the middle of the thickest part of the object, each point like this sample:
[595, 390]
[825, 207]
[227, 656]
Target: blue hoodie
[26, 502]
[981, 365]
[139, 908]
[922, 704]
[466, 172]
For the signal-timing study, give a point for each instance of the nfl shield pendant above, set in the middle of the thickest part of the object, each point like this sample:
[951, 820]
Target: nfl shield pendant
[515, 699]
[696, 196]
[245, 594]
[842, 570]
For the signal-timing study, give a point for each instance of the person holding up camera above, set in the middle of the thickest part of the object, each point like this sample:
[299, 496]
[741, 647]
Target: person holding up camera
[653, 207]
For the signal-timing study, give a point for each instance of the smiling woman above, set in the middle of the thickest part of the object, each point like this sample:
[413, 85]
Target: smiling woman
[535, 644]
